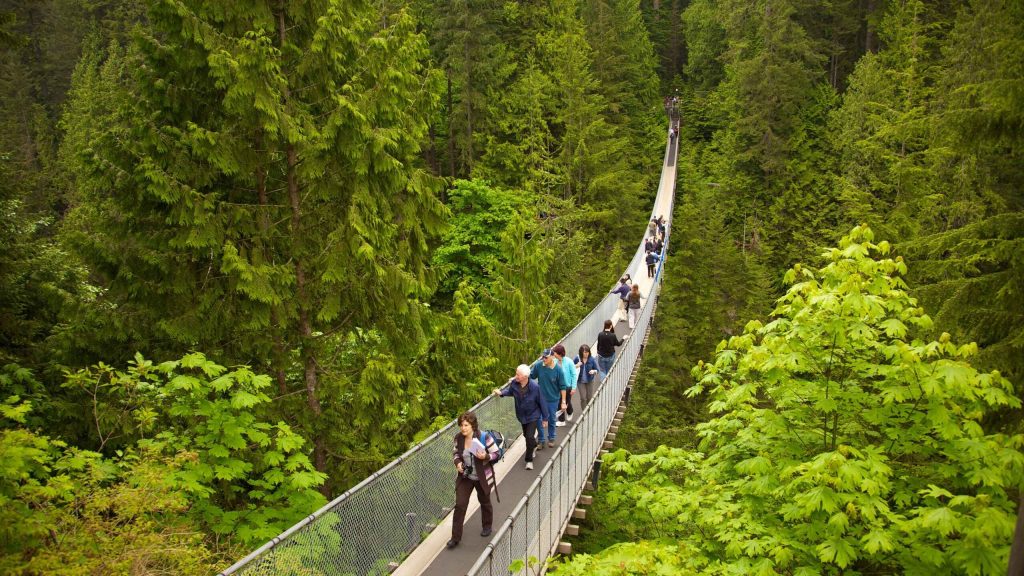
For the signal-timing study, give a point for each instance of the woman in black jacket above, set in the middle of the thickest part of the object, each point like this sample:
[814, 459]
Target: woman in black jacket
[606, 343]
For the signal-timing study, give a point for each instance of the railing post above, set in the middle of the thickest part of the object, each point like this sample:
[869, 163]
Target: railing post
[596, 475]
[410, 519]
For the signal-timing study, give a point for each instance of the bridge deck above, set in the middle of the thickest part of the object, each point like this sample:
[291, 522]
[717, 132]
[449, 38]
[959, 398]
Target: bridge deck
[431, 558]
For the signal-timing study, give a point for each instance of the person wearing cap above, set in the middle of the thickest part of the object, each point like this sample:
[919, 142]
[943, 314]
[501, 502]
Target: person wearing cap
[553, 388]
[530, 407]
[569, 374]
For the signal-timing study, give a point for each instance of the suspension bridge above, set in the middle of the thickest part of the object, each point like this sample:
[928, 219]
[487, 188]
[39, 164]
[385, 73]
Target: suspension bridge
[398, 520]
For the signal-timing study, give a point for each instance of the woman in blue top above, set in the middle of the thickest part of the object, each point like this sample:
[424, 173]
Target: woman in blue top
[587, 366]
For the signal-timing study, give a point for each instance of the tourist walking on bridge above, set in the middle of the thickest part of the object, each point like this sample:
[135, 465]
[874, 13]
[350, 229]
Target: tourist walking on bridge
[474, 456]
[553, 387]
[623, 291]
[569, 374]
[587, 366]
[634, 304]
[606, 343]
[652, 262]
[530, 407]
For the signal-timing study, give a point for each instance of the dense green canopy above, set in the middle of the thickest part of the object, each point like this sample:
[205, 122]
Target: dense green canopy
[250, 251]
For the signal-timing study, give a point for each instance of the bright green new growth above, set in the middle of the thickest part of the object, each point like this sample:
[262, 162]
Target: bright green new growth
[245, 475]
[842, 442]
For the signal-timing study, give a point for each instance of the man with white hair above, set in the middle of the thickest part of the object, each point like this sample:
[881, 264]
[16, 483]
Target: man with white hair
[530, 407]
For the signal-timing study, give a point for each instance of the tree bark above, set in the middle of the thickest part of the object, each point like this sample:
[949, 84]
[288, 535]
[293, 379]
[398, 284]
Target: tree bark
[674, 23]
[275, 325]
[1016, 567]
[310, 377]
[870, 40]
[451, 136]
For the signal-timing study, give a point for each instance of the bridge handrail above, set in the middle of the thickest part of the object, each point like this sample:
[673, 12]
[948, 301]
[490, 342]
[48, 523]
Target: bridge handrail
[552, 496]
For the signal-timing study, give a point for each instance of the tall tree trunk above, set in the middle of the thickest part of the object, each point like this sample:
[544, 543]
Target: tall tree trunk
[430, 154]
[1016, 567]
[301, 291]
[451, 136]
[870, 39]
[275, 325]
[674, 23]
[468, 100]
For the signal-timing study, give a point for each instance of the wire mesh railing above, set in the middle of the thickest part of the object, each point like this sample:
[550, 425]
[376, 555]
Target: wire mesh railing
[376, 523]
[537, 522]
[532, 531]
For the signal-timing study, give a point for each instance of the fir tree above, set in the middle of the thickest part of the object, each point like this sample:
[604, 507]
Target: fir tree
[257, 196]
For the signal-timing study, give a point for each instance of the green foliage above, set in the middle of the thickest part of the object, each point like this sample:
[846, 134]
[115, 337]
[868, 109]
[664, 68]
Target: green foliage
[462, 355]
[261, 206]
[634, 558]
[973, 277]
[244, 476]
[70, 511]
[841, 440]
[480, 214]
[705, 43]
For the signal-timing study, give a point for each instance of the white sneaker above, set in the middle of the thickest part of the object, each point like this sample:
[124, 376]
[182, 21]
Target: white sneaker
[529, 465]
[559, 423]
[568, 417]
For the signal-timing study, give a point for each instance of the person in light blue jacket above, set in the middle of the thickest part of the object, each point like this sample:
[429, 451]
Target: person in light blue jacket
[588, 369]
[569, 373]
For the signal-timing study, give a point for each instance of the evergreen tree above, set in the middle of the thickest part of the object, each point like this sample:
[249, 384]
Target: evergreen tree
[476, 63]
[705, 45]
[254, 192]
[884, 131]
[970, 269]
[624, 67]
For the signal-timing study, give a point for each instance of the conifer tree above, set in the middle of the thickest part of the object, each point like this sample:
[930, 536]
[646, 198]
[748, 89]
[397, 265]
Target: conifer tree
[884, 130]
[772, 66]
[624, 66]
[971, 271]
[257, 195]
[475, 62]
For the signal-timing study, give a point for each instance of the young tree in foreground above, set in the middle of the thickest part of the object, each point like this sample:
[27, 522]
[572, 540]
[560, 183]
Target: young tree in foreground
[843, 443]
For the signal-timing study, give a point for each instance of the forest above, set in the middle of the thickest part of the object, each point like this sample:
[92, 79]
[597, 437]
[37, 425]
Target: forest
[250, 252]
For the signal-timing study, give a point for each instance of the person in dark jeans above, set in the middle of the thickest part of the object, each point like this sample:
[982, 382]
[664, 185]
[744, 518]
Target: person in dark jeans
[587, 368]
[530, 407]
[652, 263]
[606, 343]
[474, 456]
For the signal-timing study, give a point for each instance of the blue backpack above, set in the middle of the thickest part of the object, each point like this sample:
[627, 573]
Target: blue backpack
[499, 442]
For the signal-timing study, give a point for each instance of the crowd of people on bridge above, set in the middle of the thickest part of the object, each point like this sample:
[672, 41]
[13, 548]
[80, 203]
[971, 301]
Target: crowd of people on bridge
[543, 397]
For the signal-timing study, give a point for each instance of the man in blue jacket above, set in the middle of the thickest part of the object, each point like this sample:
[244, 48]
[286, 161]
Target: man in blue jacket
[530, 407]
